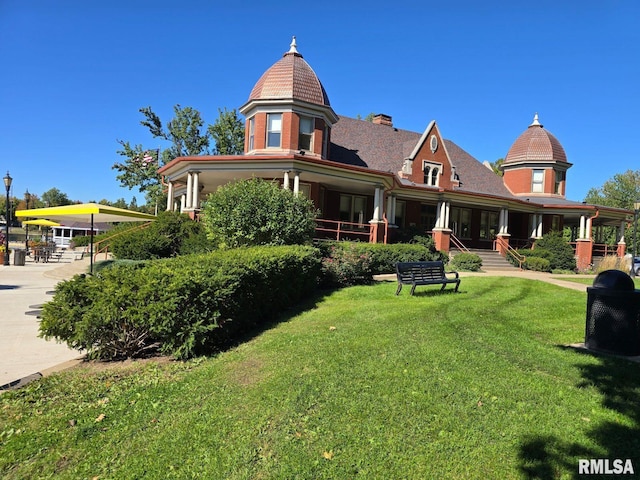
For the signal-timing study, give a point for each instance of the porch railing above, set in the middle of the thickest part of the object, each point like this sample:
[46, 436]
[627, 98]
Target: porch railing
[509, 250]
[339, 230]
[458, 244]
[102, 247]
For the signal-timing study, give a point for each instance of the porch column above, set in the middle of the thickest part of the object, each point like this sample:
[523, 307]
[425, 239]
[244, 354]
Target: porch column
[285, 182]
[170, 198]
[391, 209]
[296, 183]
[536, 225]
[442, 214]
[622, 245]
[378, 199]
[502, 245]
[584, 244]
[583, 227]
[441, 233]
[183, 203]
[196, 190]
[189, 200]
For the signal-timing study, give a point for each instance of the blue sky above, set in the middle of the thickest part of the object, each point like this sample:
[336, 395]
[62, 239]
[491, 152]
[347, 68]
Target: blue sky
[75, 73]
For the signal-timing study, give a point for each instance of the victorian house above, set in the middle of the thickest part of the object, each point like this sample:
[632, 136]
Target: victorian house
[374, 182]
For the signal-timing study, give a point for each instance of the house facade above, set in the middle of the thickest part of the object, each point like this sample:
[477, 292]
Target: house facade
[374, 182]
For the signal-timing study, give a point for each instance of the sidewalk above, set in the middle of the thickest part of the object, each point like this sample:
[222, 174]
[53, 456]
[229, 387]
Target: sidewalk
[23, 289]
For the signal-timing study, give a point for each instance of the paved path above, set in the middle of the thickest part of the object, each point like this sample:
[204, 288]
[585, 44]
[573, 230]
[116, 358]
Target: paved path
[22, 290]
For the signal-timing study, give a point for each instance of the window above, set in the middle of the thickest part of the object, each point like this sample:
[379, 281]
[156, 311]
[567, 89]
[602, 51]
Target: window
[252, 128]
[488, 225]
[305, 190]
[431, 173]
[353, 209]
[325, 142]
[537, 183]
[427, 216]
[305, 135]
[560, 177]
[401, 207]
[274, 129]
[461, 222]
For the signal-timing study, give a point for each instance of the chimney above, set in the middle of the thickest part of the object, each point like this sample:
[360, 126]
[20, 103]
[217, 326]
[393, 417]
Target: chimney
[382, 119]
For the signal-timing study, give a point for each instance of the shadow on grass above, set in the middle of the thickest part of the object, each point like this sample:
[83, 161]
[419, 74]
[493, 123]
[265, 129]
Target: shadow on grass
[618, 381]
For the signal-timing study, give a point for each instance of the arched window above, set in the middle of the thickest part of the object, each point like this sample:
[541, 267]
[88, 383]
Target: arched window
[431, 173]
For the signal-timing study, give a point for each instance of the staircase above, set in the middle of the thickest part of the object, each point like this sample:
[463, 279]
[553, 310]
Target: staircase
[491, 260]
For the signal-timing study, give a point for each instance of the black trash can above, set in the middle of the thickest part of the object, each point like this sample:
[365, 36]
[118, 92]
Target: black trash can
[19, 257]
[613, 308]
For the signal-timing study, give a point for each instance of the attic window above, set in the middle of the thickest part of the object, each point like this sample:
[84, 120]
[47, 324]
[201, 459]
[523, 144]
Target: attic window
[432, 172]
[537, 182]
[274, 129]
[305, 134]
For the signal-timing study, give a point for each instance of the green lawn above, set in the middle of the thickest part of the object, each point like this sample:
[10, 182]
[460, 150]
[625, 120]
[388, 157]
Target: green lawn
[360, 384]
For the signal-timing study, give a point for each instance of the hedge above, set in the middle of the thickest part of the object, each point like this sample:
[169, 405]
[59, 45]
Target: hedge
[186, 305]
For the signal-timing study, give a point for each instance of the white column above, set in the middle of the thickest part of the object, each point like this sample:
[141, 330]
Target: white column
[183, 203]
[447, 210]
[170, 198]
[196, 190]
[583, 227]
[588, 230]
[377, 204]
[621, 230]
[285, 183]
[391, 209]
[539, 229]
[504, 221]
[296, 183]
[189, 204]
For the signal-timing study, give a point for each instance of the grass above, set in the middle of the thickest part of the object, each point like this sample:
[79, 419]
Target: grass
[359, 384]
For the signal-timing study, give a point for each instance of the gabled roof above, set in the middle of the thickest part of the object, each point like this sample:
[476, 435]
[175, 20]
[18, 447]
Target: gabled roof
[384, 148]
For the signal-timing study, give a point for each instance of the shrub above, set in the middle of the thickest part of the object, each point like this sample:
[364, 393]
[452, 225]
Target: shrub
[258, 212]
[469, 262]
[166, 237]
[562, 256]
[187, 305]
[346, 265]
[537, 264]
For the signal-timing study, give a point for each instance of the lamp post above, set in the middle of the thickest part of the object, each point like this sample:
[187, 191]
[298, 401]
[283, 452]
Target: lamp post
[27, 197]
[7, 184]
[636, 209]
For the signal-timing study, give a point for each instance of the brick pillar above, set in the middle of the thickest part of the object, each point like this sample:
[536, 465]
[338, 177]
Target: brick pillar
[584, 252]
[502, 245]
[442, 238]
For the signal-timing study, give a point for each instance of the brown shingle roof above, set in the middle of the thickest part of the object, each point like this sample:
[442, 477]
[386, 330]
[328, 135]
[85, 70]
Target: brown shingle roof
[384, 148]
[536, 144]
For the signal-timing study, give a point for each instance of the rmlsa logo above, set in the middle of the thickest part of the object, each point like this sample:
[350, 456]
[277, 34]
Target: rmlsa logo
[600, 466]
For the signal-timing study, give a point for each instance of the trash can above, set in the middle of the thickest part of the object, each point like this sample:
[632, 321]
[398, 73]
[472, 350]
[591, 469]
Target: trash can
[613, 308]
[19, 257]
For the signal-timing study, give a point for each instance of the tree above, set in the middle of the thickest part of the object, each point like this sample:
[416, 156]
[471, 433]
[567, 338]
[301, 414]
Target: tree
[258, 212]
[55, 198]
[186, 135]
[621, 191]
[495, 166]
[228, 133]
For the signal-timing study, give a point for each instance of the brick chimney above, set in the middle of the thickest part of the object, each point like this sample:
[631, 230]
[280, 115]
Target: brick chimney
[382, 119]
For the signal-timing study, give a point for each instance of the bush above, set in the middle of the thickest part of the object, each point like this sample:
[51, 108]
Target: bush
[537, 264]
[187, 305]
[258, 212]
[345, 265]
[169, 235]
[469, 262]
[562, 256]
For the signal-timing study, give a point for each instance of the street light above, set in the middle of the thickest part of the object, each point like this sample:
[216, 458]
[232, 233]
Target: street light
[636, 209]
[7, 184]
[27, 197]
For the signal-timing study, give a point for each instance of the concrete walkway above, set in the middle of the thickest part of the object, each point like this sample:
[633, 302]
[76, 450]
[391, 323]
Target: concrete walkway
[23, 289]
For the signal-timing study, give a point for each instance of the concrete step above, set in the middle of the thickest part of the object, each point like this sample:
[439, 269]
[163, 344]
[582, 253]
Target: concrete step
[491, 260]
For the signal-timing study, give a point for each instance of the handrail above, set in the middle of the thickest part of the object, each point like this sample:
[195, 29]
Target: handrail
[510, 251]
[340, 230]
[461, 246]
[106, 248]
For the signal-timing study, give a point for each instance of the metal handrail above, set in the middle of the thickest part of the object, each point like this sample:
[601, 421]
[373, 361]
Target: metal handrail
[106, 248]
[510, 251]
[459, 245]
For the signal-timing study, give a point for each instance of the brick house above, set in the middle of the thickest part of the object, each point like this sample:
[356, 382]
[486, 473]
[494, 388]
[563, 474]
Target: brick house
[374, 182]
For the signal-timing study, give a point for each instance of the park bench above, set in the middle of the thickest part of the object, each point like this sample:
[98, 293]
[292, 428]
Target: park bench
[424, 273]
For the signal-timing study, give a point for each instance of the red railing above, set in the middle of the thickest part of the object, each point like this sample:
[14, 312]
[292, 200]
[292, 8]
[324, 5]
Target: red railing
[339, 230]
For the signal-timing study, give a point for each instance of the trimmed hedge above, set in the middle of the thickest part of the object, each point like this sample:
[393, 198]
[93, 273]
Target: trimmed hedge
[469, 262]
[188, 305]
[537, 264]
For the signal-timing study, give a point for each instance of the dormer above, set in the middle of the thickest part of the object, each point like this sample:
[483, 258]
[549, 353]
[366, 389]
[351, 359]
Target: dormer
[288, 110]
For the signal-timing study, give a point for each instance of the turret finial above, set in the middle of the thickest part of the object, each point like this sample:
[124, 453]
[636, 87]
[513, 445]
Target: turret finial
[293, 46]
[535, 123]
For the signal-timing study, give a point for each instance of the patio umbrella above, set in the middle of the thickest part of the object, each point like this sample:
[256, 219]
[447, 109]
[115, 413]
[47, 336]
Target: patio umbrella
[41, 222]
[86, 212]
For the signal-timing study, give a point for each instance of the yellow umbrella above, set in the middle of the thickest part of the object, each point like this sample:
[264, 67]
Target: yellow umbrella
[42, 222]
[89, 213]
